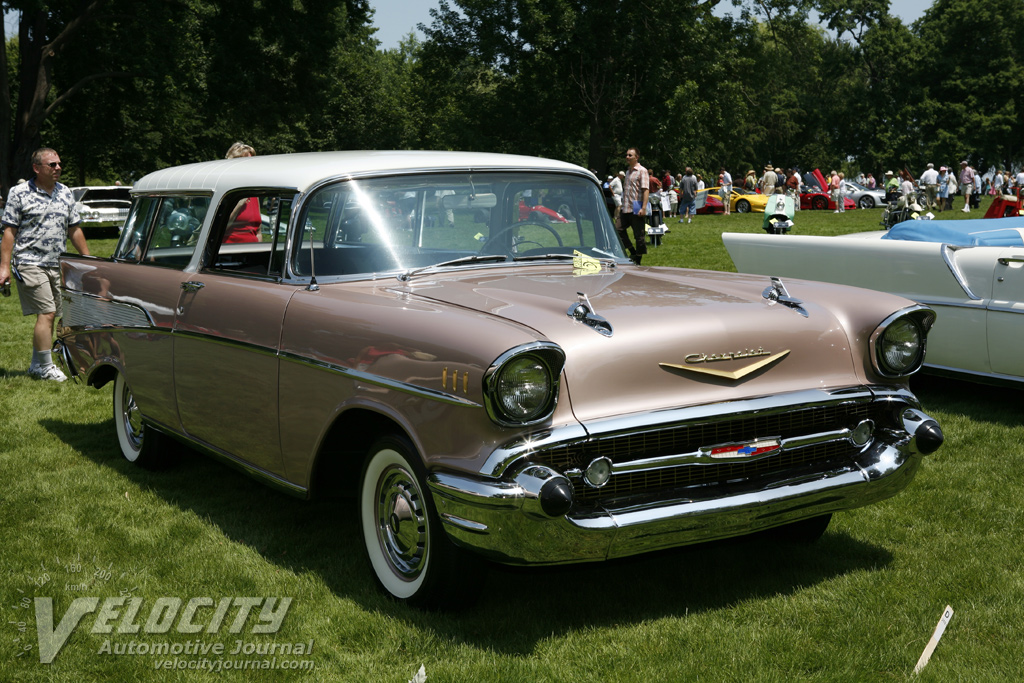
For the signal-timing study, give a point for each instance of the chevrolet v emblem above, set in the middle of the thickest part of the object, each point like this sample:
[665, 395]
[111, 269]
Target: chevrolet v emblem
[701, 365]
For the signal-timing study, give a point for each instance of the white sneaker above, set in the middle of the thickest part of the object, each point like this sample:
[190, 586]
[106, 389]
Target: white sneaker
[50, 372]
[965, 210]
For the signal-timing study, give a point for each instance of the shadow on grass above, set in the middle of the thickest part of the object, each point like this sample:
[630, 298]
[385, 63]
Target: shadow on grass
[519, 607]
[985, 403]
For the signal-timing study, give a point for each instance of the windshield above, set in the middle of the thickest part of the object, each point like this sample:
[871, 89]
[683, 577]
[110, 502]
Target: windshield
[364, 226]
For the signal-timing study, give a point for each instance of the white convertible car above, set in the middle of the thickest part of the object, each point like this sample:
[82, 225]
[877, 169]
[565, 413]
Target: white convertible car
[971, 272]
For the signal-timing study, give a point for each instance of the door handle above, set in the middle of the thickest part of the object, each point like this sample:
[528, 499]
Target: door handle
[1012, 259]
[192, 286]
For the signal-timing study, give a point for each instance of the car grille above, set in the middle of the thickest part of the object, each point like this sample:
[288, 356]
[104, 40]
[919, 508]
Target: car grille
[689, 438]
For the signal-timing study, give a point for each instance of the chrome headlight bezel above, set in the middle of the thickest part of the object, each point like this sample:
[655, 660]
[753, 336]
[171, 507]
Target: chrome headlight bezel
[545, 361]
[909, 328]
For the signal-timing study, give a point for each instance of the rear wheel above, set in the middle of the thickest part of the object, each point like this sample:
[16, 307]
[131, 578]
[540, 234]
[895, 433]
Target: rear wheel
[743, 206]
[140, 443]
[867, 202]
[410, 554]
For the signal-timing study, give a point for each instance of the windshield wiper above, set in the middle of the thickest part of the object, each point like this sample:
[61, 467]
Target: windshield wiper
[474, 258]
[609, 263]
[540, 257]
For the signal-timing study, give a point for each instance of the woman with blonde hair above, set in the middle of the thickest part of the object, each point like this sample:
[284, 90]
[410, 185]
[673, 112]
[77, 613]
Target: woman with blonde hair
[245, 221]
[240, 149]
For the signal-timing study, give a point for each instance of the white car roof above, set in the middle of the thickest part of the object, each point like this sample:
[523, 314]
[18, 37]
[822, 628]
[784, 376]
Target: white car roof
[301, 171]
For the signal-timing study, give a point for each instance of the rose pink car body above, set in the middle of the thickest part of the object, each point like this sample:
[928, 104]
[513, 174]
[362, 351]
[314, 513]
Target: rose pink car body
[489, 387]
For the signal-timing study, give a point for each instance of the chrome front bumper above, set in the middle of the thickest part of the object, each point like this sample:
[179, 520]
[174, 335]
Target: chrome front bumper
[504, 518]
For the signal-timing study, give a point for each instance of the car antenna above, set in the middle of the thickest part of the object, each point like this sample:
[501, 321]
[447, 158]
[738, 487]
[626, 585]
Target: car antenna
[313, 286]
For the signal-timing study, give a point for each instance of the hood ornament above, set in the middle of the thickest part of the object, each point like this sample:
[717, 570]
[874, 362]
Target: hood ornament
[582, 311]
[777, 293]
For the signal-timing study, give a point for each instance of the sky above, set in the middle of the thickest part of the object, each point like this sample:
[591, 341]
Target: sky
[394, 19]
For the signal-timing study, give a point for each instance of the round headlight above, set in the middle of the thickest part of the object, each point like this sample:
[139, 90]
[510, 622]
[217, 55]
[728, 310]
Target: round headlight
[901, 347]
[524, 388]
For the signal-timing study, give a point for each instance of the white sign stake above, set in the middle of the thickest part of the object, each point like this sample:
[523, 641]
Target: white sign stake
[947, 614]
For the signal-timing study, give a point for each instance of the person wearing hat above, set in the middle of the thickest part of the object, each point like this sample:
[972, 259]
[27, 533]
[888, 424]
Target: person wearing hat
[966, 184]
[750, 181]
[942, 195]
[768, 180]
[892, 186]
[930, 181]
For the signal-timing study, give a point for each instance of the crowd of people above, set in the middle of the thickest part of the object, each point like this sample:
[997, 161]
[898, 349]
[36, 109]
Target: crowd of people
[638, 197]
[937, 188]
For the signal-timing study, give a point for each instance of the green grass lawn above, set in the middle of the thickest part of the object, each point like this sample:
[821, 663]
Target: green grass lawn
[860, 605]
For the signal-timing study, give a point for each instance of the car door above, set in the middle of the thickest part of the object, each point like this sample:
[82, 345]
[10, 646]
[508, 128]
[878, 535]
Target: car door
[148, 267]
[226, 336]
[1005, 322]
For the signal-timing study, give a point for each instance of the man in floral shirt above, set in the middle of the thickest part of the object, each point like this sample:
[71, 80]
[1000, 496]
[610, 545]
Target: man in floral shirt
[39, 218]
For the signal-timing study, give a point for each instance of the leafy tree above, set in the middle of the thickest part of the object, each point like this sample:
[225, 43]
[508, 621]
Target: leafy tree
[574, 79]
[973, 77]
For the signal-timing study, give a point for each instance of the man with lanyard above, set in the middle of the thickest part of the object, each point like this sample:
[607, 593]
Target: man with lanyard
[39, 218]
[635, 193]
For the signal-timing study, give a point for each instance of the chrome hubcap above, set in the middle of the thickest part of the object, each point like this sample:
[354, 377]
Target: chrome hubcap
[132, 418]
[401, 523]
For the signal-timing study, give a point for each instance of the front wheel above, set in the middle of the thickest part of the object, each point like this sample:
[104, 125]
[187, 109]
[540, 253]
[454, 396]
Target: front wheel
[867, 202]
[140, 443]
[410, 554]
[819, 203]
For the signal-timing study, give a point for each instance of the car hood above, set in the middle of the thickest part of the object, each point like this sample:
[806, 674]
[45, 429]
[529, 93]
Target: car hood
[678, 337]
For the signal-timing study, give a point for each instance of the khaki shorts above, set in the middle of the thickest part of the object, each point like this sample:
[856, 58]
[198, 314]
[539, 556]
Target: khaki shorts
[39, 290]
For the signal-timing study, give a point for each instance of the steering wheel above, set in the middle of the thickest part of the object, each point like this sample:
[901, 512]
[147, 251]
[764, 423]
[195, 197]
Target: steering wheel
[494, 237]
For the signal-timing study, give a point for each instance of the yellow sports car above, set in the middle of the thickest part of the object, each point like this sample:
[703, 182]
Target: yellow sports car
[741, 201]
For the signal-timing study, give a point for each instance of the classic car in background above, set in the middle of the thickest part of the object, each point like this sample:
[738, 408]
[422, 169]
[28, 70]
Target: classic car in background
[487, 386]
[1006, 205]
[814, 194]
[863, 197]
[103, 207]
[740, 201]
[971, 272]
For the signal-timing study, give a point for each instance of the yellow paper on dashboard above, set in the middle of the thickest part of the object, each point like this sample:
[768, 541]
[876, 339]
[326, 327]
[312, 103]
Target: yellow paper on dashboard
[583, 264]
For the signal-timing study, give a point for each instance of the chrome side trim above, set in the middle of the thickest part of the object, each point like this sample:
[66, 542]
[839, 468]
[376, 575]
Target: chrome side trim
[273, 480]
[993, 378]
[949, 256]
[395, 385]
[934, 303]
[88, 311]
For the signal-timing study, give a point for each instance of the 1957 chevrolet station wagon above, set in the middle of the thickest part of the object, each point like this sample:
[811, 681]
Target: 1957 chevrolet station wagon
[488, 385]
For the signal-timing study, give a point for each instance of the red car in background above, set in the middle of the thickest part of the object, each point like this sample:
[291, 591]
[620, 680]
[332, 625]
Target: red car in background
[815, 195]
[541, 213]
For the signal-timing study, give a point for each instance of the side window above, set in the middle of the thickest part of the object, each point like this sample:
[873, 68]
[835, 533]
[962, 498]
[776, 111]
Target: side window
[162, 231]
[248, 234]
[136, 229]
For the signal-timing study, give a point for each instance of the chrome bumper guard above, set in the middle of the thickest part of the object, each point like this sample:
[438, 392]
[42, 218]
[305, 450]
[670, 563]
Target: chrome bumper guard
[508, 520]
